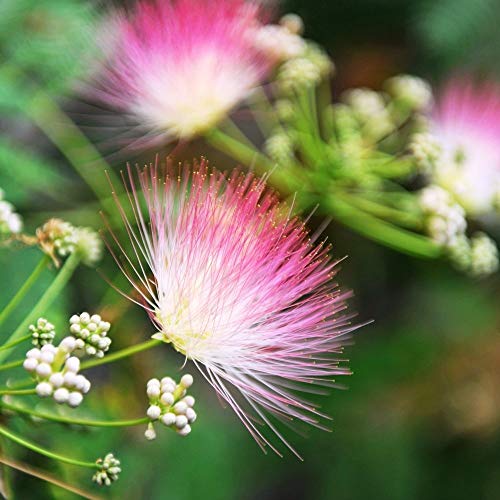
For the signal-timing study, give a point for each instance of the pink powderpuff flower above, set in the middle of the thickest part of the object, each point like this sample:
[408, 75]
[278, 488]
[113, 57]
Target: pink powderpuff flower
[179, 66]
[238, 287]
[466, 122]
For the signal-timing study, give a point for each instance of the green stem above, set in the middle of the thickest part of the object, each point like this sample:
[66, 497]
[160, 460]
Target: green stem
[17, 392]
[46, 300]
[24, 289]
[75, 421]
[13, 364]
[15, 342]
[249, 157]
[73, 144]
[123, 353]
[381, 231]
[38, 449]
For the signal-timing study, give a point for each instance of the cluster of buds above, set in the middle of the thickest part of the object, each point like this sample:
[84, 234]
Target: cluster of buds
[411, 91]
[477, 256]
[445, 218]
[59, 239]
[109, 470]
[42, 332]
[10, 221]
[170, 405]
[90, 333]
[279, 147]
[57, 372]
[426, 151]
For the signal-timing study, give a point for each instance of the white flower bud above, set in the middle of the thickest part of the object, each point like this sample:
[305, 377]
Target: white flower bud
[150, 433]
[191, 415]
[74, 399]
[30, 364]
[34, 353]
[153, 391]
[180, 407]
[61, 395]
[72, 364]
[95, 318]
[70, 379]
[168, 419]
[47, 357]
[181, 421]
[85, 318]
[189, 400]
[44, 389]
[187, 381]
[68, 344]
[154, 412]
[43, 370]
[75, 319]
[184, 431]
[56, 379]
[167, 398]
[75, 328]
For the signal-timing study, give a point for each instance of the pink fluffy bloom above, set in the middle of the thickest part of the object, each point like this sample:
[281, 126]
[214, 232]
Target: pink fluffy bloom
[466, 121]
[238, 287]
[179, 66]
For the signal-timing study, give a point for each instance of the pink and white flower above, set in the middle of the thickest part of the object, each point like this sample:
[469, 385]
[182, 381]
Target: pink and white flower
[466, 122]
[238, 287]
[179, 66]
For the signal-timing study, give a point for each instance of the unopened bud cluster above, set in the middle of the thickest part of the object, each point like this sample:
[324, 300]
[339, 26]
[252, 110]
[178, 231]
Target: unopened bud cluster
[42, 332]
[170, 405]
[10, 221]
[412, 91]
[109, 470]
[426, 151]
[59, 239]
[279, 147]
[445, 219]
[57, 372]
[90, 333]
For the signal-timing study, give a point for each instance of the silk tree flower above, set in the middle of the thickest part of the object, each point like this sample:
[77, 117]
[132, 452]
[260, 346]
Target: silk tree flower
[466, 122]
[238, 287]
[178, 67]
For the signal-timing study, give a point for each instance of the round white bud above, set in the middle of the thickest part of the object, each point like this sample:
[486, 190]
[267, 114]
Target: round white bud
[44, 389]
[154, 381]
[181, 421]
[47, 357]
[43, 370]
[30, 364]
[154, 412]
[150, 434]
[70, 379]
[187, 381]
[189, 400]
[167, 398]
[95, 318]
[56, 379]
[168, 419]
[153, 391]
[72, 364]
[33, 354]
[61, 395]
[84, 318]
[191, 415]
[185, 430]
[68, 344]
[74, 399]
[180, 408]
[75, 328]
[75, 319]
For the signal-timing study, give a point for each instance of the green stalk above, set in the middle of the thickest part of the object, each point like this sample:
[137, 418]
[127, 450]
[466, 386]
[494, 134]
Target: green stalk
[14, 302]
[13, 364]
[73, 144]
[17, 392]
[15, 342]
[123, 353]
[46, 300]
[42, 451]
[381, 231]
[74, 421]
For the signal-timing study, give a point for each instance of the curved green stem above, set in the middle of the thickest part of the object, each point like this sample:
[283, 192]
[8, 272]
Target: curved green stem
[15, 342]
[75, 421]
[24, 289]
[123, 353]
[17, 392]
[73, 144]
[46, 300]
[42, 451]
[381, 231]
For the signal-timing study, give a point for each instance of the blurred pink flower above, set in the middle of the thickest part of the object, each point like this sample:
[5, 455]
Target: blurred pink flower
[238, 287]
[466, 121]
[178, 67]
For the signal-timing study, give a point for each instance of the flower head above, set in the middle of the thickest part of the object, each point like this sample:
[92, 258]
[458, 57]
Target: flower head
[179, 66]
[466, 121]
[238, 287]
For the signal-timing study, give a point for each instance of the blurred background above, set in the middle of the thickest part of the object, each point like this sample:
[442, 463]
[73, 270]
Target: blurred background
[421, 414]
